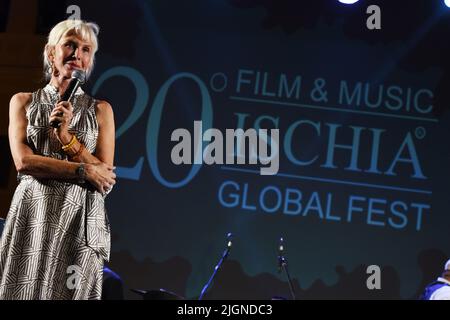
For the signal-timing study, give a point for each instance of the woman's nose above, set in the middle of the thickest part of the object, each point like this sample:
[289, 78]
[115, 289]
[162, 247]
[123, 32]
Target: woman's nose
[77, 53]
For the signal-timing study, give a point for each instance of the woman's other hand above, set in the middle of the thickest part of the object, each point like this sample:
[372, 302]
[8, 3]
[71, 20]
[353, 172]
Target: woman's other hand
[101, 176]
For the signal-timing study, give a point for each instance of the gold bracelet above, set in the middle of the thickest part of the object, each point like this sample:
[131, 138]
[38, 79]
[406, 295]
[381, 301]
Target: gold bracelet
[70, 144]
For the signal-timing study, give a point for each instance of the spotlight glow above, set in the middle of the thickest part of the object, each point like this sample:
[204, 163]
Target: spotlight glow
[354, 1]
[447, 3]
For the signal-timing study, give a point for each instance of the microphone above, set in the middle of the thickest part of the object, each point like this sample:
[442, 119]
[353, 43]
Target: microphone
[216, 269]
[229, 242]
[283, 265]
[281, 260]
[77, 79]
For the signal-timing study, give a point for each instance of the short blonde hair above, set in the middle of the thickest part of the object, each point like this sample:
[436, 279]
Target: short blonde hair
[88, 31]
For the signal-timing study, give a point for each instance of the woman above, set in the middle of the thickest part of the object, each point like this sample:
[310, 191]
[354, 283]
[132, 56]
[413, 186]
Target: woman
[56, 234]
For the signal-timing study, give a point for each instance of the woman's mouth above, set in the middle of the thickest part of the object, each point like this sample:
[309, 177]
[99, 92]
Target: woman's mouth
[73, 66]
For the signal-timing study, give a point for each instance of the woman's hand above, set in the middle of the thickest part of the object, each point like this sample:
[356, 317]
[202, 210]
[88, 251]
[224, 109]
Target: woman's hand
[100, 175]
[63, 113]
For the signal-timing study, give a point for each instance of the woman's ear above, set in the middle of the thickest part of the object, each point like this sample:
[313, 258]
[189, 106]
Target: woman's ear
[50, 51]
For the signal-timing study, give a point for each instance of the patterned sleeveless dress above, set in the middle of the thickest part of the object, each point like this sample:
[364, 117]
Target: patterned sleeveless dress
[56, 236]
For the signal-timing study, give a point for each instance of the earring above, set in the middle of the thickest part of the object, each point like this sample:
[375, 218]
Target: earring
[50, 69]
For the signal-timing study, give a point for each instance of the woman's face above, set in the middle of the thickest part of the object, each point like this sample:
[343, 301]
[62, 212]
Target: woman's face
[72, 53]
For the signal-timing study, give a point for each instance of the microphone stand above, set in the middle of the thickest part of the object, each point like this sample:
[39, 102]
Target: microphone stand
[283, 265]
[216, 269]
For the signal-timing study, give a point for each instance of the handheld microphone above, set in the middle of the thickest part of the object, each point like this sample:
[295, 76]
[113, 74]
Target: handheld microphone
[77, 79]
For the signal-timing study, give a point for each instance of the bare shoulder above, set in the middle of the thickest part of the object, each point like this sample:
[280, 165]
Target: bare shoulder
[20, 101]
[103, 107]
[104, 111]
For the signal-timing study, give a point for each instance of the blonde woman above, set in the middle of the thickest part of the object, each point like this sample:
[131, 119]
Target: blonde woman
[56, 236]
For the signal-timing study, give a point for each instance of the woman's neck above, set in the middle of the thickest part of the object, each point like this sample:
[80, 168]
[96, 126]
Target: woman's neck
[60, 83]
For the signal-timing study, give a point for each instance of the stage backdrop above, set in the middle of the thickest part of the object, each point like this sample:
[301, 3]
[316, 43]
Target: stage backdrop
[364, 143]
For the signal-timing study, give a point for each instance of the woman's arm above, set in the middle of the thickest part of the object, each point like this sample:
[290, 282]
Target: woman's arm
[106, 132]
[26, 162]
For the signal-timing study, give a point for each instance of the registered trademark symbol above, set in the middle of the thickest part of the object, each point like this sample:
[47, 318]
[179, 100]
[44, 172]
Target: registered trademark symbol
[420, 132]
[217, 79]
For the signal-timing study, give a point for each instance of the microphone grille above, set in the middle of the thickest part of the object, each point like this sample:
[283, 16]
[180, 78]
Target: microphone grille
[79, 75]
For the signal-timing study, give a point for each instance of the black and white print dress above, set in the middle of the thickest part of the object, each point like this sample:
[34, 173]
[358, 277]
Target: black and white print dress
[56, 236]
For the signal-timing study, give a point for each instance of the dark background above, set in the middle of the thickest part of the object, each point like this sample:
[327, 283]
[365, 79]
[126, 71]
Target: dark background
[167, 236]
